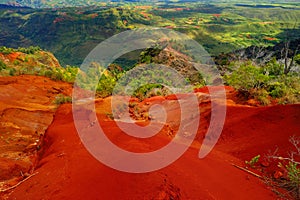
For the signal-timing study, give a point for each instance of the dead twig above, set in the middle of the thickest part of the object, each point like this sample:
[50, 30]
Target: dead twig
[12, 187]
[288, 159]
[248, 171]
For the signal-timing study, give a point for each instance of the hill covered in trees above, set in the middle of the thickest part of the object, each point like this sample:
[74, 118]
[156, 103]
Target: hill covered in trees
[71, 33]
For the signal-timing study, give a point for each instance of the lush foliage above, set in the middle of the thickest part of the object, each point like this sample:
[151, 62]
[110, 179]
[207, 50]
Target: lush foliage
[34, 61]
[71, 33]
[62, 99]
[297, 59]
[29, 50]
[67, 74]
[264, 82]
[2, 65]
[293, 174]
[150, 83]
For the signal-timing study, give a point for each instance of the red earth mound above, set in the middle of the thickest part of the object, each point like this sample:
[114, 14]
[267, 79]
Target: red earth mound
[26, 111]
[66, 170]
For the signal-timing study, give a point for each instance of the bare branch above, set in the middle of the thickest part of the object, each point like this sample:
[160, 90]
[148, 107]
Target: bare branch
[268, 57]
[248, 171]
[283, 158]
[271, 154]
[286, 54]
[295, 141]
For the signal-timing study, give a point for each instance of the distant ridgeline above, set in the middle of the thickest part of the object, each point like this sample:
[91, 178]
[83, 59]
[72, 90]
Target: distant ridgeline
[13, 6]
[80, 3]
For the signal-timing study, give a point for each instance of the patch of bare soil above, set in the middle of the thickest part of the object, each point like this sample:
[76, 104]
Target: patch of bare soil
[26, 111]
[66, 170]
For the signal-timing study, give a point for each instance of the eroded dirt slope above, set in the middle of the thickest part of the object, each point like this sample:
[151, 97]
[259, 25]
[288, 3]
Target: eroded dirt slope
[26, 111]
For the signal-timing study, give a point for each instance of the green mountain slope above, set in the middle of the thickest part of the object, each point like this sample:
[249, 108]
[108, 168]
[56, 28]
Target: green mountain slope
[71, 33]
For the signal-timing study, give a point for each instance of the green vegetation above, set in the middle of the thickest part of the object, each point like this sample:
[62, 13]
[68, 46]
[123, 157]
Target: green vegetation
[2, 65]
[34, 61]
[150, 90]
[148, 55]
[264, 82]
[36, 64]
[253, 161]
[294, 176]
[67, 74]
[62, 99]
[71, 33]
[221, 27]
[290, 164]
[29, 50]
[108, 79]
[297, 59]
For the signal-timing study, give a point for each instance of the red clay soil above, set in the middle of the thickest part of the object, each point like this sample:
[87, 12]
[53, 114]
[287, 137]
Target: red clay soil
[66, 170]
[26, 111]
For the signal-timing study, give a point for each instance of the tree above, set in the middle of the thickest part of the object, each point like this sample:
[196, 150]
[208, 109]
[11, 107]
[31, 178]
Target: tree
[286, 52]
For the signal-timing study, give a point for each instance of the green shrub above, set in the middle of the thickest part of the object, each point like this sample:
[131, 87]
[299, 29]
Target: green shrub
[297, 59]
[276, 89]
[2, 65]
[289, 89]
[264, 83]
[12, 71]
[48, 73]
[29, 50]
[289, 164]
[253, 161]
[247, 77]
[70, 74]
[293, 174]
[6, 50]
[106, 85]
[16, 62]
[56, 76]
[61, 99]
[110, 116]
[273, 68]
[262, 96]
[148, 90]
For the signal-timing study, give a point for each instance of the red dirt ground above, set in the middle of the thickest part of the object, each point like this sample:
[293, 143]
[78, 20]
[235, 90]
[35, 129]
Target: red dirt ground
[26, 111]
[67, 171]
